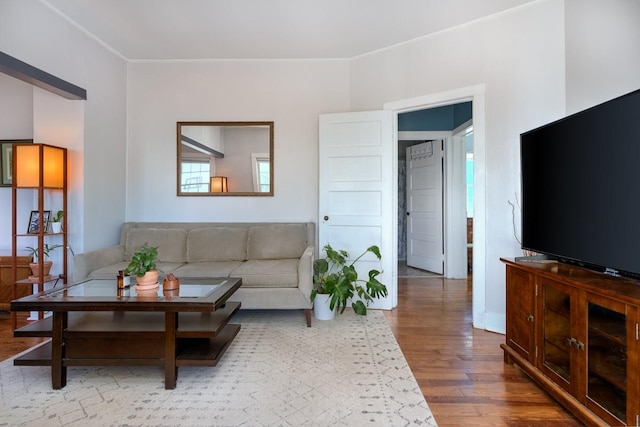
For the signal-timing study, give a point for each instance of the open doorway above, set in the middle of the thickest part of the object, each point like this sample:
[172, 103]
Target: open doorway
[476, 94]
[435, 191]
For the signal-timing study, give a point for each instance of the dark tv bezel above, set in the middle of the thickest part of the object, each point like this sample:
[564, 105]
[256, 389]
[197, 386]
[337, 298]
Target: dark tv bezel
[563, 258]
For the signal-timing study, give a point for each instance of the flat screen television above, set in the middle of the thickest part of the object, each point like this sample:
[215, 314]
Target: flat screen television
[581, 188]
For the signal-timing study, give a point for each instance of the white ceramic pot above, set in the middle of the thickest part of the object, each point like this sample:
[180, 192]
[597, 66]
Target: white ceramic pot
[56, 227]
[321, 310]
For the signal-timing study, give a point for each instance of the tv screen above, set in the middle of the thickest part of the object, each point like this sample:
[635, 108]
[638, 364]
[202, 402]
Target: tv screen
[581, 187]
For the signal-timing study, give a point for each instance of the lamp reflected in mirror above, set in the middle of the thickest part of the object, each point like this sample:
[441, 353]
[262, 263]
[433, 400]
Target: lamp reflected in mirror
[225, 158]
[219, 184]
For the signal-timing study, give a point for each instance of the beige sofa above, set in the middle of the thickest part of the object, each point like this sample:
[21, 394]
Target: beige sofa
[274, 260]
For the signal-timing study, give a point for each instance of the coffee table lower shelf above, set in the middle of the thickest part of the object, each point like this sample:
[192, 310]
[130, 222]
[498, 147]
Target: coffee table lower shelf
[205, 351]
[134, 339]
[190, 352]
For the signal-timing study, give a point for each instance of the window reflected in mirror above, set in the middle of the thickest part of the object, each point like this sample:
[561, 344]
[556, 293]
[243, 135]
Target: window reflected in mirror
[225, 158]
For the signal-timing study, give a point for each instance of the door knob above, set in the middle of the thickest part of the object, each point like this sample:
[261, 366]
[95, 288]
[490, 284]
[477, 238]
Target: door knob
[326, 218]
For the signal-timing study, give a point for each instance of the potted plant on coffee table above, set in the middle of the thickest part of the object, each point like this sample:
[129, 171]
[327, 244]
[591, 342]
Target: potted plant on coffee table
[143, 266]
[46, 264]
[335, 283]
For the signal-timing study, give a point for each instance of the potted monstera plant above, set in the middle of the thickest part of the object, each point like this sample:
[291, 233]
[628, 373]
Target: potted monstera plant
[143, 267]
[335, 282]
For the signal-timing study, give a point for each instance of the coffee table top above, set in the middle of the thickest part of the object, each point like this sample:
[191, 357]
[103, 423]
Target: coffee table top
[201, 294]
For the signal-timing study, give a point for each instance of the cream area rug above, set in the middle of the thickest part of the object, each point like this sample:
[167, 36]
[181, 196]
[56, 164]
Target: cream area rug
[343, 372]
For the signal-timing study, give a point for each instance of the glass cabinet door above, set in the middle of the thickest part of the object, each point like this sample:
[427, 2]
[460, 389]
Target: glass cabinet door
[520, 313]
[607, 358]
[556, 343]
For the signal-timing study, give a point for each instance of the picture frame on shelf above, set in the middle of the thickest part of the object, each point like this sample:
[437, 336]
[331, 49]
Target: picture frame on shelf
[34, 221]
[6, 160]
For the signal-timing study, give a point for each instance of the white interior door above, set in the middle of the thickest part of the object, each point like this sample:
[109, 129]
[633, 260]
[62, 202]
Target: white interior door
[425, 247]
[356, 190]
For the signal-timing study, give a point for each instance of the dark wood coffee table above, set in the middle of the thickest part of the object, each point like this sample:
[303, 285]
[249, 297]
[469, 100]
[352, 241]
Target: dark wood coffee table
[95, 324]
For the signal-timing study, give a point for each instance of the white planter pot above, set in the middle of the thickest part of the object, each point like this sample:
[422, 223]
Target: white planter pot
[321, 310]
[56, 227]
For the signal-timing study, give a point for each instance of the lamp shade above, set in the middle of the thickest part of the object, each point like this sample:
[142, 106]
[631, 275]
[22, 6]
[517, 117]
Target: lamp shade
[31, 161]
[219, 184]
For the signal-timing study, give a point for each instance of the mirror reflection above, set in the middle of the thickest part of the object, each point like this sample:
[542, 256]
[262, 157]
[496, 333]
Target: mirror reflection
[225, 158]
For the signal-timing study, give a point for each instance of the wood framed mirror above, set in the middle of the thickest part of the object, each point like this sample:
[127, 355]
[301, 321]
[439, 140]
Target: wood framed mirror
[225, 158]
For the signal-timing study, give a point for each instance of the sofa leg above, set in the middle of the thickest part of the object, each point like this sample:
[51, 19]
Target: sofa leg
[307, 315]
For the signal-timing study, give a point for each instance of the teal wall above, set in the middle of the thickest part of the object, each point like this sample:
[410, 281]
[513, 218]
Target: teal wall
[448, 117]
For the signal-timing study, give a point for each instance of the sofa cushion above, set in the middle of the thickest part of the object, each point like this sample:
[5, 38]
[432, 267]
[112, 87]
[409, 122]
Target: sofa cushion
[207, 269]
[171, 242]
[273, 273]
[276, 241]
[217, 244]
[111, 271]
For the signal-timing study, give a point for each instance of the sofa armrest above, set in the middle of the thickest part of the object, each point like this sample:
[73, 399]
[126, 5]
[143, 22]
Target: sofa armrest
[85, 263]
[305, 272]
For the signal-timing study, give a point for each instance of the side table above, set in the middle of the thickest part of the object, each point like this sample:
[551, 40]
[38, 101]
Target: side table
[6, 281]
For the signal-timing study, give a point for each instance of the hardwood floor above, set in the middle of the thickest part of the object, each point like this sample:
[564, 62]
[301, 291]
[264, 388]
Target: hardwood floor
[460, 370]
[10, 346]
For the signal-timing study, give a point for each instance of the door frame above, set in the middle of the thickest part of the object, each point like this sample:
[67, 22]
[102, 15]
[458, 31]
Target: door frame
[476, 94]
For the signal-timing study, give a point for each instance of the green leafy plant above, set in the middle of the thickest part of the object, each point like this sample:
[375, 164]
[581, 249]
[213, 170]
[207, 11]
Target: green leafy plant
[143, 260]
[46, 249]
[58, 216]
[333, 276]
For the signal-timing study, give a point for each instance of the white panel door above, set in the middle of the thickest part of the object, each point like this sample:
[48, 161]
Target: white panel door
[425, 247]
[356, 182]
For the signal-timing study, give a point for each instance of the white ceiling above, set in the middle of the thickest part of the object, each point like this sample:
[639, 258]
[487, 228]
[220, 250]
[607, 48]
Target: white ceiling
[266, 29]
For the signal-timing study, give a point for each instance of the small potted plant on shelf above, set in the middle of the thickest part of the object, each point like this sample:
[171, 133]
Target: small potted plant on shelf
[143, 266]
[56, 222]
[46, 264]
[335, 282]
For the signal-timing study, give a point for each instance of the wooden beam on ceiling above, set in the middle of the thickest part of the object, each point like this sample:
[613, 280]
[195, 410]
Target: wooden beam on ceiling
[30, 74]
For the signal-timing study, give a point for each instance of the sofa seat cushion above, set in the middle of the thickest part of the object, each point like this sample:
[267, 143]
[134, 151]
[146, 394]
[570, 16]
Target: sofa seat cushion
[111, 271]
[276, 241]
[171, 243]
[273, 273]
[207, 269]
[108, 272]
[217, 244]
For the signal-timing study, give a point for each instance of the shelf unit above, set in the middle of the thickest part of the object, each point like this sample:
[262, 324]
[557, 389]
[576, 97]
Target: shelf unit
[581, 338]
[39, 168]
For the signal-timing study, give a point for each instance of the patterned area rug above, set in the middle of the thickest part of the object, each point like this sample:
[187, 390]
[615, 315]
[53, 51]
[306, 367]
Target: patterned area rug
[347, 371]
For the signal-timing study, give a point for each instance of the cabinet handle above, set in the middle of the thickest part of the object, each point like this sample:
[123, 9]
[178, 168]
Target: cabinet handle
[529, 318]
[574, 342]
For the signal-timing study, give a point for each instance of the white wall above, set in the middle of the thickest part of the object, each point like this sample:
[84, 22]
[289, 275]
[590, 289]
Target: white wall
[31, 32]
[16, 122]
[60, 122]
[519, 57]
[603, 51]
[290, 93]
[532, 77]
